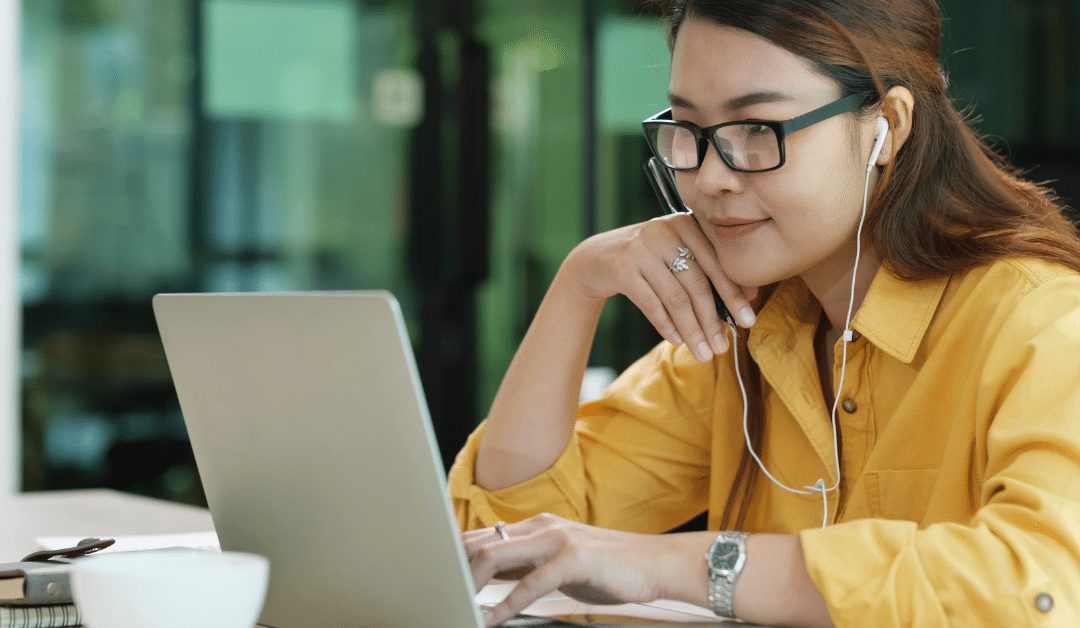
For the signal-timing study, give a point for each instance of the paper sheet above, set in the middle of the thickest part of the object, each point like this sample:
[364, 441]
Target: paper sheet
[558, 605]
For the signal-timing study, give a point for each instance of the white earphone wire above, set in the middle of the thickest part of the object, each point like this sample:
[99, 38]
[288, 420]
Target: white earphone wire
[819, 486]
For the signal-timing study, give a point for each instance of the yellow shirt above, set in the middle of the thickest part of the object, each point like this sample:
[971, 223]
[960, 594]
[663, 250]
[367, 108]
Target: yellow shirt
[959, 494]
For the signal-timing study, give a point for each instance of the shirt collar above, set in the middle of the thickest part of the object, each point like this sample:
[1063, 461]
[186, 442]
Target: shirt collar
[894, 315]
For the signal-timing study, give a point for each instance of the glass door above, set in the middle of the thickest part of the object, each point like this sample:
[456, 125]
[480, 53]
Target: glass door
[195, 145]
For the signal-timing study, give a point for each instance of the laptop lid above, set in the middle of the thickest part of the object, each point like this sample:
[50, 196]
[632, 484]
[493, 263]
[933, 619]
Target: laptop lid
[315, 449]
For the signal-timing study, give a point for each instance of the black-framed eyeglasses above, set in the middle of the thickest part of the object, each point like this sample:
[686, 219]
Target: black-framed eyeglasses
[744, 145]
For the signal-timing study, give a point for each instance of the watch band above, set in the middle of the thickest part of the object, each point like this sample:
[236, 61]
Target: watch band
[722, 576]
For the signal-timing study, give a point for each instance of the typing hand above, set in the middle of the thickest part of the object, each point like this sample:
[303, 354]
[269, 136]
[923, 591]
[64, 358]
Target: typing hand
[547, 553]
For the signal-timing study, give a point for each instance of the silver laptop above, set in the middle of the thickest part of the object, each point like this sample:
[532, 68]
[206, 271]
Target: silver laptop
[315, 449]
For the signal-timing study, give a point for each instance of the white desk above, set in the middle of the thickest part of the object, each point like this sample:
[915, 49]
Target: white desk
[27, 516]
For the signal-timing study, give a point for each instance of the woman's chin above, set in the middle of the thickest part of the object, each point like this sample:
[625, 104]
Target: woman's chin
[750, 279]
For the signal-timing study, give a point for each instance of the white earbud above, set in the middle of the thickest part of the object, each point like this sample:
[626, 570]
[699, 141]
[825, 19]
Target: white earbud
[882, 131]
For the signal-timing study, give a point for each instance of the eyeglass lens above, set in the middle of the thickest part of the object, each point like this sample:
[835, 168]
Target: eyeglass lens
[744, 146]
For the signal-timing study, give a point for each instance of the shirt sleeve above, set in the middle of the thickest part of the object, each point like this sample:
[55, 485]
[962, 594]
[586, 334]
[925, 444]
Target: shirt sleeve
[638, 459]
[1017, 562]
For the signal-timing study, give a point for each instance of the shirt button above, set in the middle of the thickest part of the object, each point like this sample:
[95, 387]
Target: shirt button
[850, 406]
[1044, 602]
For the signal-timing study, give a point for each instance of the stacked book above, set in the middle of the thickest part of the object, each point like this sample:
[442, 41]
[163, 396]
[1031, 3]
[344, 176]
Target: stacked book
[36, 592]
[36, 595]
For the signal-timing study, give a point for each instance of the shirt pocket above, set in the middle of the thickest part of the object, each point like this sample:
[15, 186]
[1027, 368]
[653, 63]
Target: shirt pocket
[905, 494]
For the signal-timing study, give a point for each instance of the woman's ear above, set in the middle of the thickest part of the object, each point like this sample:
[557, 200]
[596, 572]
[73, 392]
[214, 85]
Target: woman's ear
[897, 108]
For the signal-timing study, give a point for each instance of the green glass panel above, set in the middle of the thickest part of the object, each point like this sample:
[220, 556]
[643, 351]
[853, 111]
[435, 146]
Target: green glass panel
[281, 59]
[633, 69]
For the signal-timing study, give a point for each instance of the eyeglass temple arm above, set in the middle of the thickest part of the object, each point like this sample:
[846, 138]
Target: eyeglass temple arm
[844, 105]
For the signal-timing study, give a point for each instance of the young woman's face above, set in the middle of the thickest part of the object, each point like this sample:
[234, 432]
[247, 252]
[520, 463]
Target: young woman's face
[800, 219]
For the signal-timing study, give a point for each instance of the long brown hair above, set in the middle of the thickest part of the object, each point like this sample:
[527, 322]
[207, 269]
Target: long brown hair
[947, 202]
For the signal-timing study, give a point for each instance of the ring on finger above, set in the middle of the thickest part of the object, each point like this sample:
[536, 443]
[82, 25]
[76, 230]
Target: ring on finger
[500, 527]
[678, 264]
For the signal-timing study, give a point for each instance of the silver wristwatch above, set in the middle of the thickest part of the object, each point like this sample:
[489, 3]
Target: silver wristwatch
[725, 559]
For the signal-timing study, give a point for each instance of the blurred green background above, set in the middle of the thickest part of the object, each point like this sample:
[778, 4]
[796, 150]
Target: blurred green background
[450, 151]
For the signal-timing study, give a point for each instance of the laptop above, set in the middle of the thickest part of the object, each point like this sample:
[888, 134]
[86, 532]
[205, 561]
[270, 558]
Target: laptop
[315, 449]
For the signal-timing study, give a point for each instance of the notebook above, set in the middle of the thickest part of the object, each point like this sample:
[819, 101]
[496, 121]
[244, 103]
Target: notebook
[315, 449]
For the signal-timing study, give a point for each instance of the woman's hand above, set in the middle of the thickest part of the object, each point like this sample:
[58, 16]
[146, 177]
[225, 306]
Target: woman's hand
[548, 553]
[667, 267]
[601, 566]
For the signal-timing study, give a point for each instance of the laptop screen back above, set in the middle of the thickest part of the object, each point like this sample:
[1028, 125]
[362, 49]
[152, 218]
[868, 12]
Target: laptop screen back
[315, 449]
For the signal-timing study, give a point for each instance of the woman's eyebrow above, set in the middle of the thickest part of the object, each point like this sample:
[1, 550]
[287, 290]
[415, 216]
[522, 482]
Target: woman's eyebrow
[678, 101]
[739, 102]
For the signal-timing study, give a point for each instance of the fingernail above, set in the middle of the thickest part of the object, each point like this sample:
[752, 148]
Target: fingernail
[676, 339]
[747, 316]
[719, 343]
[704, 353]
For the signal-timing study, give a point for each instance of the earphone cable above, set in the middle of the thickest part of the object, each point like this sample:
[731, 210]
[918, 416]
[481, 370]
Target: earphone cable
[819, 486]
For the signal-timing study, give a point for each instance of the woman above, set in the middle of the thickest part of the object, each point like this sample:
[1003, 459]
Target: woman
[911, 363]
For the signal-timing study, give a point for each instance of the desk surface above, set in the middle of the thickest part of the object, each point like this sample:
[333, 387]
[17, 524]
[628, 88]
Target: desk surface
[27, 516]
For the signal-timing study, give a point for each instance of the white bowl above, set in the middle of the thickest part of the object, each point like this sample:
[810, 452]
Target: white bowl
[172, 588]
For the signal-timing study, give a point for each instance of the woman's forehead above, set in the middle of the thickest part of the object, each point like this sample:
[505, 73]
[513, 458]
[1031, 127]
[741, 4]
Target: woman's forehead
[719, 68]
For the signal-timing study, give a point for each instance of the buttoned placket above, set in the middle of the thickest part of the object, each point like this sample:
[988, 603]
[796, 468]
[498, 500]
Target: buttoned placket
[854, 419]
[782, 358]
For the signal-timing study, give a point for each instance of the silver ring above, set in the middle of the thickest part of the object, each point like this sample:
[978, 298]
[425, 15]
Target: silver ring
[678, 264]
[685, 253]
[500, 527]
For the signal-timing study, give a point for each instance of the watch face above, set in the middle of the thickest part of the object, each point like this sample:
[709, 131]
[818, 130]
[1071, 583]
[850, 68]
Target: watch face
[727, 554]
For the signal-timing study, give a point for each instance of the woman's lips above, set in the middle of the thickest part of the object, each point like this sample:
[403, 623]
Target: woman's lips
[733, 230]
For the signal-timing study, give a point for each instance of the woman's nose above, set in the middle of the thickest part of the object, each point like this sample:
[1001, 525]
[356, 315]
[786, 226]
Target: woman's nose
[714, 177]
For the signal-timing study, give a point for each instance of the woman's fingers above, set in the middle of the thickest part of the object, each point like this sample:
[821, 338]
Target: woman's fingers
[538, 583]
[542, 562]
[687, 255]
[668, 268]
[689, 305]
[547, 553]
[486, 549]
[652, 305]
[480, 535]
[736, 298]
[513, 559]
